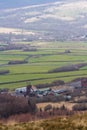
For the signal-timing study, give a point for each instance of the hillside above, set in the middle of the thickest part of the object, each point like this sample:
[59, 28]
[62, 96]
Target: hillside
[77, 122]
[58, 20]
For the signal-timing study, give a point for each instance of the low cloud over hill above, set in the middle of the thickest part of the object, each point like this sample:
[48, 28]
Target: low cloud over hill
[57, 20]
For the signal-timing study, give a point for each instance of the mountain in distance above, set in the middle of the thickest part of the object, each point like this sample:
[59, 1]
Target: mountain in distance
[58, 20]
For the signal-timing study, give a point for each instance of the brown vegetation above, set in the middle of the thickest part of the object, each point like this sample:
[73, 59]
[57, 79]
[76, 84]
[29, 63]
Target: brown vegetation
[2, 72]
[54, 83]
[72, 67]
[11, 105]
[17, 62]
[76, 122]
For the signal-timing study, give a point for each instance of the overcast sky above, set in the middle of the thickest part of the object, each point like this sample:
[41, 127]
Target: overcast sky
[17, 3]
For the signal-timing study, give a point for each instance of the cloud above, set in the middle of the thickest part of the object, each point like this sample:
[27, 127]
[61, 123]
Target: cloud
[68, 11]
[65, 11]
[31, 20]
[85, 26]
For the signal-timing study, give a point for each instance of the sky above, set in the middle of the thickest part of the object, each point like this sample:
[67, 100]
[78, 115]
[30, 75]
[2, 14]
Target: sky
[18, 3]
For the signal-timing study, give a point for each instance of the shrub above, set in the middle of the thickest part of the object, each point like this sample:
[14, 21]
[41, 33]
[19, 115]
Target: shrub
[54, 83]
[48, 107]
[2, 72]
[17, 62]
[80, 107]
[11, 105]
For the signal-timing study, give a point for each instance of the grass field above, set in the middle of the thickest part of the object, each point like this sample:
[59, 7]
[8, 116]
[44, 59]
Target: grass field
[48, 56]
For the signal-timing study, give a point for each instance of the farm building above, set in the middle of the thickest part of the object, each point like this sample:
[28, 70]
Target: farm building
[21, 90]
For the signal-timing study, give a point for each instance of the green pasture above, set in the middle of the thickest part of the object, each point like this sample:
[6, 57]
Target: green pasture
[60, 58]
[40, 62]
[11, 57]
[36, 76]
[42, 81]
[62, 45]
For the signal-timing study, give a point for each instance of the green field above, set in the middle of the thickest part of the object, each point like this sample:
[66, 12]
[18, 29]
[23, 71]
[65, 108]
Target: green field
[47, 57]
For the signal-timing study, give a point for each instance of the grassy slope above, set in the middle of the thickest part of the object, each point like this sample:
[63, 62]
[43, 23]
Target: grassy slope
[76, 122]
